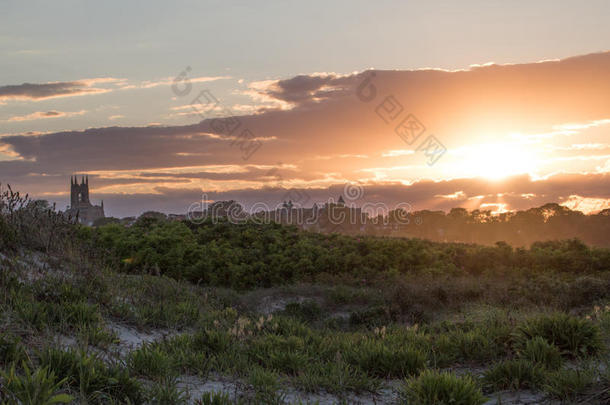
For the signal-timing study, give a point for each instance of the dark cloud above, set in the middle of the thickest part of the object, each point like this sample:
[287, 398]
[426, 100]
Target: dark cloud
[303, 88]
[39, 91]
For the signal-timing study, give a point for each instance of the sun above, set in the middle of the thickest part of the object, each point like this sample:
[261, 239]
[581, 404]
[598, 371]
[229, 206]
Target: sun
[496, 161]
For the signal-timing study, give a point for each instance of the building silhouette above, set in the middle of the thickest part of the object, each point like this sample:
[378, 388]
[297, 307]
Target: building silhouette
[80, 205]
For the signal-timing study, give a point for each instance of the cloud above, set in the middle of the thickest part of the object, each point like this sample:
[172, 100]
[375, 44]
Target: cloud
[458, 195]
[307, 88]
[517, 193]
[167, 81]
[44, 115]
[324, 117]
[43, 91]
[398, 152]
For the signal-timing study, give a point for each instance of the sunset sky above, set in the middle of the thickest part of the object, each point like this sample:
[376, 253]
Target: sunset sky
[137, 94]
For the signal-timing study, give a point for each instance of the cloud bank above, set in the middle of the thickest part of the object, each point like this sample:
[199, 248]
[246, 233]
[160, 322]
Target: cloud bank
[332, 129]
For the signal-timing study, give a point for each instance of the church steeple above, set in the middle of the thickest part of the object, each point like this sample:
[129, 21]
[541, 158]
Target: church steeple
[80, 204]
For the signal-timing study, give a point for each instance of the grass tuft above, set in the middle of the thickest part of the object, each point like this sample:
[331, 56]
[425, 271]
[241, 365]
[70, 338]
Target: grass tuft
[575, 337]
[514, 375]
[441, 388]
[567, 385]
[541, 352]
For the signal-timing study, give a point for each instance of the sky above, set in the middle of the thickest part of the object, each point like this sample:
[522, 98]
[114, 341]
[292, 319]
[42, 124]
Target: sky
[480, 104]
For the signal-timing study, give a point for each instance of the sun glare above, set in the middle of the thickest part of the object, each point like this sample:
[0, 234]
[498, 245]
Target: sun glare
[497, 161]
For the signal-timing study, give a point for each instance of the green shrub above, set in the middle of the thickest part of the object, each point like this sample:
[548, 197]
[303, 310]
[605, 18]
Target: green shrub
[167, 392]
[287, 361]
[335, 377]
[96, 336]
[214, 398]
[479, 344]
[91, 377]
[514, 375]
[378, 359]
[34, 224]
[64, 363]
[32, 314]
[376, 316]
[11, 349]
[541, 352]
[37, 387]
[81, 314]
[441, 388]
[167, 314]
[266, 384]
[184, 355]
[573, 336]
[567, 385]
[307, 311]
[150, 361]
[211, 341]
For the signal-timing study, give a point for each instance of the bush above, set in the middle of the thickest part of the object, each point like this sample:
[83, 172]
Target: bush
[167, 392]
[377, 359]
[479, 344]
[38, 387]
[91, 377]
[441, 388]
[335, 377]
[573, 336]
[11, 349]
[514, 375]
[211, 342]
[541, 352]
[266, 384]
[307, 311]
[567, 385]
[150, 361]
[376, 316]
[33, 224]
[214, 398]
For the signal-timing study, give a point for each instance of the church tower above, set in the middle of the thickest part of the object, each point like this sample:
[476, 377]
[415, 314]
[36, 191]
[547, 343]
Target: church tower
[79, 193]
[80, 205]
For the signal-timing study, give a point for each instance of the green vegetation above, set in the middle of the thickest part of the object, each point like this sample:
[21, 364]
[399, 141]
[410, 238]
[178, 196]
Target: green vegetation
[250, 255]
[571, 335]
[440, 388]
[513, 374]
[38, 387]
[214, 398]
[541, 352]
[568, 385]
[283, 314]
